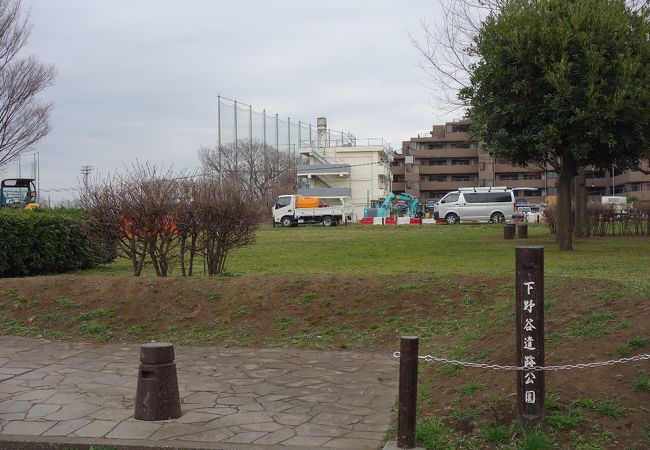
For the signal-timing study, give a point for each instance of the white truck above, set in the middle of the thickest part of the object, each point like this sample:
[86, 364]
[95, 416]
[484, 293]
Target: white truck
[292, 210]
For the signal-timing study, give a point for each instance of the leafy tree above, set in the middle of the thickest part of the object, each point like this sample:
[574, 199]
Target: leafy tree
[23, 118]
[564, 83]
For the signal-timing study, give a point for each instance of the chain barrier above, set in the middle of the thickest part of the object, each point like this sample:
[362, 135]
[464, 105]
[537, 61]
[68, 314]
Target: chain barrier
[429, 358]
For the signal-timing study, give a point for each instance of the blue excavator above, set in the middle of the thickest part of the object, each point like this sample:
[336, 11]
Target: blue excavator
[406, 204]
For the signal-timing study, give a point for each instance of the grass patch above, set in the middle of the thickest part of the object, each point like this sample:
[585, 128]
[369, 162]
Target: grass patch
[594, 324]
[95, 331]
[606, 407]
[65, 303]
[643, 383]
[133, 332]
[472, 386]
[432, 433]
[564, 421]
[404, 288]
[498, 434]
[241, 311]
[632, 344]
[282, 324]
[535, 440]
[96, 314]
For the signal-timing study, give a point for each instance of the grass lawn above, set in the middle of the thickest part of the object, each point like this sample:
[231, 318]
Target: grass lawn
[441, 249]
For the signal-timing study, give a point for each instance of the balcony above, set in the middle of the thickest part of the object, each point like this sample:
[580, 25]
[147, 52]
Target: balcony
[324, 192]
[341, 170]
[469, 169]
[397, 170]
[508, 168]
[446, 153]
[445, 185]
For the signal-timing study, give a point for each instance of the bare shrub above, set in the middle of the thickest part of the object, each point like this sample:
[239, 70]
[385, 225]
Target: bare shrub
[138, 208]
[227, 217]
[261, 171]
[189, 228]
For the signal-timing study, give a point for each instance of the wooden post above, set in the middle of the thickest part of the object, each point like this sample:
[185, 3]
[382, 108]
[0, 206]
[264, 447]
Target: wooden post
[509, 231]
[408, 391]
[522, 231]
[530, 335]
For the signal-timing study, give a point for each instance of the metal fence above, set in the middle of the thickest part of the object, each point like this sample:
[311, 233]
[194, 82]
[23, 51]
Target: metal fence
[237, 121]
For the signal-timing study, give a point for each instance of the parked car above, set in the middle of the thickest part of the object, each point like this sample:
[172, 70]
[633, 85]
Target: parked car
[494, 204]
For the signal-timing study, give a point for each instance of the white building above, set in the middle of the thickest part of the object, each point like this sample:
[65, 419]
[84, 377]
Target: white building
[350, 171]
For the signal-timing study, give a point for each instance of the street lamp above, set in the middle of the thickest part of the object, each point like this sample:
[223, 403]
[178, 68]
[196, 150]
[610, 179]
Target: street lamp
[612, 179]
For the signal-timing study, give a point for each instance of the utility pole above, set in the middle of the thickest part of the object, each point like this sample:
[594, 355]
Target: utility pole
[85, 171]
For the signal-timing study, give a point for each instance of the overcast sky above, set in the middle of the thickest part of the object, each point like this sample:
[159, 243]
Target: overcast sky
[139, 79]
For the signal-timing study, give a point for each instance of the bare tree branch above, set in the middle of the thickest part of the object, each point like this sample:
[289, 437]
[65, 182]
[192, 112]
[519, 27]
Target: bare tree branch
[23, 118]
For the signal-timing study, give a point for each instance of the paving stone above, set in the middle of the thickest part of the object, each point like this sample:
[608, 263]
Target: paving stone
[235, 401]
[276, 437]
[97, 428]
[41, 410]
[245, 437]
[27, 428]
[306, 441]
[74, 410]
[243, 418]
[214, 435]
[291, 419]
[115, 414]
[134, 430]
[194, 417]
[176, 429]
[66, 427]
[62, 399]
[13, 406]
[36, 394]
[11, 416]
[353, 443]
[266, 426]
[204, 398]
[310, 429]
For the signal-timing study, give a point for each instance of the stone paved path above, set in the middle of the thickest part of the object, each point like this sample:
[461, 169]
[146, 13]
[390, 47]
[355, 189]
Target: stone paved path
[287, 397]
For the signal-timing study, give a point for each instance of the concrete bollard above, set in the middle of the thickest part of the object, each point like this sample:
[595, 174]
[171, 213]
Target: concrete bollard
[157, 395]
[509, 231]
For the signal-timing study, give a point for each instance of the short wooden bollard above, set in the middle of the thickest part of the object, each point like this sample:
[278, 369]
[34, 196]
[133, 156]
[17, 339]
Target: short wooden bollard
[530, 335]
[509, 231]
[408, 391]
[157, 397]
[522, 231]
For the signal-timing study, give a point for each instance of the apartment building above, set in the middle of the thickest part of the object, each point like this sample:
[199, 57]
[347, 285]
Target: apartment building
[446, 159]
[353, 172]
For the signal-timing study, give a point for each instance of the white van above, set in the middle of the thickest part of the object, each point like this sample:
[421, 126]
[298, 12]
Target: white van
[494, 204]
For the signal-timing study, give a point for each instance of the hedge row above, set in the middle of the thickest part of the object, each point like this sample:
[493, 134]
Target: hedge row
[46, 241]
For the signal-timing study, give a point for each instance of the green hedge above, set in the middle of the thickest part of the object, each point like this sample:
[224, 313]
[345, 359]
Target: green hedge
[46, 241]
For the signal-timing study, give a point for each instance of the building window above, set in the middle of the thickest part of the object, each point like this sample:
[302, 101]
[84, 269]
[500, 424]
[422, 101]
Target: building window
[460, 162]
[532, 176]
[462, 145]
[508, 177]
[437, 162]
[551, 191]
[461, 178]
[436, 146]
